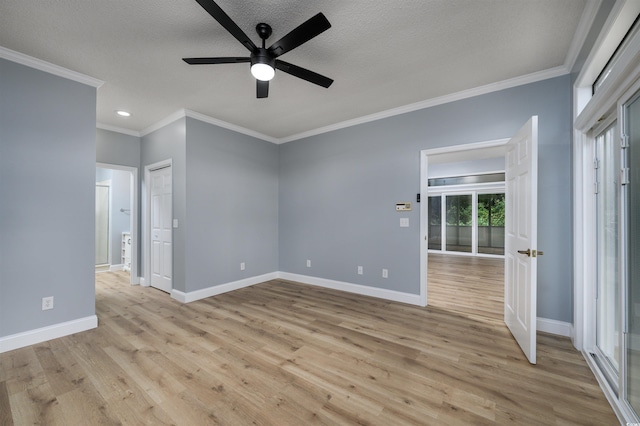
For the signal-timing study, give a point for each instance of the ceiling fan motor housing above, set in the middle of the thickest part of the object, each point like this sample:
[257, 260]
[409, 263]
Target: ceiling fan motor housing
[262, 56]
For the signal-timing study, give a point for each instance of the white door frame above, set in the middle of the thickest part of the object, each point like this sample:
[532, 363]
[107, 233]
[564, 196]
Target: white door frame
[135, 276]
[451, 154]
[146, 226]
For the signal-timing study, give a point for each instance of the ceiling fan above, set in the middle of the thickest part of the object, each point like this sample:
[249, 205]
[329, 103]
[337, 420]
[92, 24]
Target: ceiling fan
[264, 61]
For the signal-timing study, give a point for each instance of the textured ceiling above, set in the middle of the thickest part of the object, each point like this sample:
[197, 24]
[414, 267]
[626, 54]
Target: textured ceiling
[381, 54]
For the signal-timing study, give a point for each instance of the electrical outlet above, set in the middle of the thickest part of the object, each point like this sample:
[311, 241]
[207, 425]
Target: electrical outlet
[308, 263]
[242, 266]
[360, 271]
[385, 273]
[47, 303]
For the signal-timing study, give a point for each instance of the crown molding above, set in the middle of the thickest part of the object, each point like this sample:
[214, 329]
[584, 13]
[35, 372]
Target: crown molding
[117, 129]
[429, 103]
[164, 122]
[580, 36]
[29, 61]
[229, 126]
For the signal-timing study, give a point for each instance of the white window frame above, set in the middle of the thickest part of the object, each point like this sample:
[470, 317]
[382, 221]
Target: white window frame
[590, 114]
[474, 190]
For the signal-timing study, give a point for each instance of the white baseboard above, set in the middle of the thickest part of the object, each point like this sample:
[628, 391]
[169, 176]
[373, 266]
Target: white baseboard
[39, 335]
[222, 288]
[546, 325]
[560, 328]
[116, 268]
[142, 282]
[381, 293]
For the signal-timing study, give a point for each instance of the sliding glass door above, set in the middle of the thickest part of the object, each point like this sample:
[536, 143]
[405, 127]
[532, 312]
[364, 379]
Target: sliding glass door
[459, 223]
[632, 135]
[467, 223]
[607, 189]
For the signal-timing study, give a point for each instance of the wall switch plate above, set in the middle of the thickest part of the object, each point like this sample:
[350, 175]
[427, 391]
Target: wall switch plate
[242, 265]
[308, 263]
[47, 303]
[404, 222]
[360, 270]
[385, 273]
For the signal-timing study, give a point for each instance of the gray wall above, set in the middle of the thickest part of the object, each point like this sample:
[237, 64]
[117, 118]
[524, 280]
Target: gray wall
[169, 143]
[117, 148]
[47, 207]
[225, 197]
[232, 206]
[338, 190]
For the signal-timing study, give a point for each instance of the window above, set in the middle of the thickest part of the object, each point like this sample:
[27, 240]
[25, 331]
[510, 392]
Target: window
[435, 223]
[459, 223]
[473, 222]
[491, 223]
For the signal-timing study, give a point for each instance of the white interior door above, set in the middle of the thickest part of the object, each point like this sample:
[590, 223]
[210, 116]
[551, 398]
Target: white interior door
[521, 223]
[161, 230]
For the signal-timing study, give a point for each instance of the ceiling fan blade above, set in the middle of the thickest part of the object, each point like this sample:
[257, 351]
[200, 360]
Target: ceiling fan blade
[305, 74]
[262, 89]
[209, 61]
[301, 34]
[223, 19]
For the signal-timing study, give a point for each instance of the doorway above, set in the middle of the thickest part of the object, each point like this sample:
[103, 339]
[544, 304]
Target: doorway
[450, 160]
[520, 265]
[119, 211]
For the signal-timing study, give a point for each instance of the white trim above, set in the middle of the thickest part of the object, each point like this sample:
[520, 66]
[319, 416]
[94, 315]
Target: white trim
[229, 126]
[39, 335]
[381, 293]
[134, 201]
[469, 188]
[117, 129]
[29, 61]
[621, 410]
[493, 145]
[116, 268]
[552, 326]
[222, 288]
[465, 94]
[586, 21]
[164, 122]
[618, 23]
[449, 175]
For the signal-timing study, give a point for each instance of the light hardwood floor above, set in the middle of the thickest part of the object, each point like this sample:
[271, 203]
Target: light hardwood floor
[468, 284]
[281, 353]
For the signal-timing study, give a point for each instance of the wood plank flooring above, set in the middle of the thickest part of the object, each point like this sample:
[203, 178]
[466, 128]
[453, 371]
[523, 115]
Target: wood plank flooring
[467, 284]
[281, 353]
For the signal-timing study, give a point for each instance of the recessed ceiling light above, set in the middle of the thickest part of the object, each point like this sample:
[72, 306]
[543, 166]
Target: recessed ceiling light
[123, 113]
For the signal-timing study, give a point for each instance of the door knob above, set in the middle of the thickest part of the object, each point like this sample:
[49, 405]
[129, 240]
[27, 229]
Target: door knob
[527, 252]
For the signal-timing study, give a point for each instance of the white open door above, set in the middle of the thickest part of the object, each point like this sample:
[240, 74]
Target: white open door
[521, 223]
[161, 229]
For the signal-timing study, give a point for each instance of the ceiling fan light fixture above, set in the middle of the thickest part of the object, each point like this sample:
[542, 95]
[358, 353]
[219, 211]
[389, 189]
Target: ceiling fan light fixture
[263, 72]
